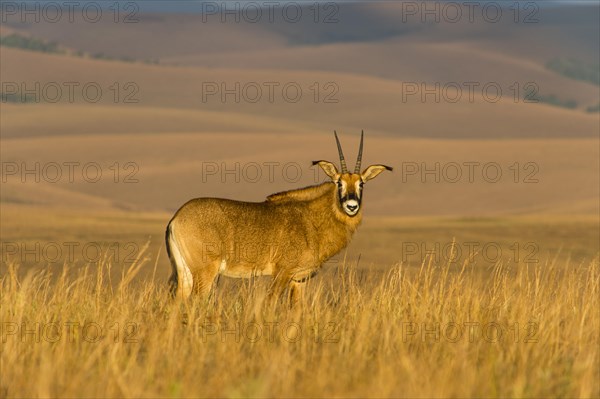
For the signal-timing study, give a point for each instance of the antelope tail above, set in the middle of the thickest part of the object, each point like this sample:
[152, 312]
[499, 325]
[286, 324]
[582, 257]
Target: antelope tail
[181, 281]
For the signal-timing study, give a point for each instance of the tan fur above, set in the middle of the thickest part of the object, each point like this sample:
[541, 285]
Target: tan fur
[289, 235]
[302, 194]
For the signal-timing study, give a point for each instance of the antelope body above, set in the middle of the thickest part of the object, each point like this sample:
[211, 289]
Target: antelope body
[289, 235]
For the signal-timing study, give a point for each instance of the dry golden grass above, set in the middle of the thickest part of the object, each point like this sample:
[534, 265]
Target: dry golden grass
[519, 331]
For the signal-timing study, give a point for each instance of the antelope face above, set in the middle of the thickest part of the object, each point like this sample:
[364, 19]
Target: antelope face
[349, 192]
[350, 185]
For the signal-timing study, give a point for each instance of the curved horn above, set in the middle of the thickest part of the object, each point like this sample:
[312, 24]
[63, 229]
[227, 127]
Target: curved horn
[359, 159]
[342, 160]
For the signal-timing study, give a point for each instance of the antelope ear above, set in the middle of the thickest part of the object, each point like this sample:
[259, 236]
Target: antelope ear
[329, 168]
[372, 171]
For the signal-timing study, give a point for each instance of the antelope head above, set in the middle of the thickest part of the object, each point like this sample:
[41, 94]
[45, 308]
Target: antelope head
[350, 185]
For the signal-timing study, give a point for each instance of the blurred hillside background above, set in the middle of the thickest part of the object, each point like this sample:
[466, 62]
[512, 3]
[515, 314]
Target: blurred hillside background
[113, 114]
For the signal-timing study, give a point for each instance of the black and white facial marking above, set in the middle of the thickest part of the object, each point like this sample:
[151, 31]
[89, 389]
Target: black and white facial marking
[350, 185]
[349, 188]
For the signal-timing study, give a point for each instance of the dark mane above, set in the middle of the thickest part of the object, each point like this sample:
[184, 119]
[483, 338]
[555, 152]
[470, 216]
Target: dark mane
[301, 194]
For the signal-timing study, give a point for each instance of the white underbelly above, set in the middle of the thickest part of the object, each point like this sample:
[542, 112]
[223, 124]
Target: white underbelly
[244, 270]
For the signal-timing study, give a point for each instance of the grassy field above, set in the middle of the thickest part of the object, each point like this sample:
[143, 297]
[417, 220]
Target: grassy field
[434, 329]
[405, 311]
[460, 282]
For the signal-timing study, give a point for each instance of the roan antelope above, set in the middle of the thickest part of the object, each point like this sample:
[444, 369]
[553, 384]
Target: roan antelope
[289, 235]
